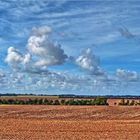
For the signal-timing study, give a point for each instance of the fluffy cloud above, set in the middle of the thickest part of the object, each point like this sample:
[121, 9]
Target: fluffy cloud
[14, 57]
[89, 62]
[127, 75]
[42, 52]
[47, 52]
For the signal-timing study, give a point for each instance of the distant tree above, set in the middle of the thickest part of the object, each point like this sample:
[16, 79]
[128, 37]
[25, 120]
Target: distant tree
[21, 102]
[127, 102]
[122, 102]
[100, 101]
[67, 102]
[45, 101]
[138, 103]
[40, 101]
[35, 101]
[30, 101]
[18, 102]
[50, 102]
[56, 102]
[1, 102]
[132, 102]
[89, 102]
[115, 103]
[4, 101]
[11, 101]
[62, 102]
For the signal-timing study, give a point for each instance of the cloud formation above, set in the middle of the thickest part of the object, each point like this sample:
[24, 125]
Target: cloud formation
[89, 62]
[41, 46]
[42, 52]
[14, 57]
[127, 75]
[66, 82]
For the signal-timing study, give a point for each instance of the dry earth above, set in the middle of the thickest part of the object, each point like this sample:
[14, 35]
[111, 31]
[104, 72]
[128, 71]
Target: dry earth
[29, 97]
[42, 122]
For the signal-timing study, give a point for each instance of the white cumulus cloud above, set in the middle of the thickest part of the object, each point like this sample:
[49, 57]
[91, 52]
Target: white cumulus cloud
[47, 52]
[89, 62]
[41, 52]
[14, 57]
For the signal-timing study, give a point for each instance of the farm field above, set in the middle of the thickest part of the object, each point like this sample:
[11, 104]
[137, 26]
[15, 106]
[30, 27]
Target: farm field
[28, 97]
[42, 122]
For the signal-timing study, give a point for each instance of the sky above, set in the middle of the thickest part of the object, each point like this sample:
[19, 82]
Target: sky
[84, 47]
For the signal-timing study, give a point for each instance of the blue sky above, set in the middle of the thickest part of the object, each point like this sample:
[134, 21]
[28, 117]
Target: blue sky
[70, 46]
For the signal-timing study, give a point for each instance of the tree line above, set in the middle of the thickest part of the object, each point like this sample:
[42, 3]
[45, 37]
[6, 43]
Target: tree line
[124, 102]
[96, 101]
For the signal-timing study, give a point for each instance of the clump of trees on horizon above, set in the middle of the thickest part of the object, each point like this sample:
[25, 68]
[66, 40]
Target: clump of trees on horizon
[96, 101]
[124, 102]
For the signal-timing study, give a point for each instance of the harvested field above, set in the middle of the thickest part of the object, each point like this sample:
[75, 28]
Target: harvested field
[28, 97]
[42, 122]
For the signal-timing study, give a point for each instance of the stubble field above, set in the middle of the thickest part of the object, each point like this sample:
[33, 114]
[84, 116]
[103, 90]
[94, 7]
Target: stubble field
[43, 122]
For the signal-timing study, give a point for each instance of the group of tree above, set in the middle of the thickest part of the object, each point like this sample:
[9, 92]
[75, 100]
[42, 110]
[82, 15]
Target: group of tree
[96, 101]
[124, 102]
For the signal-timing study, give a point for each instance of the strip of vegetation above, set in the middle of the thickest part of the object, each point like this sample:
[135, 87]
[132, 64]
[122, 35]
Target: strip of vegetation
[124, 102]
[96, 101]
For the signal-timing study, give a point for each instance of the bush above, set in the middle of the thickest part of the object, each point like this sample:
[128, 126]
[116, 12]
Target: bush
[122, 102]
[132, 102]
[40, 101]
[45, 102]
[115, 103]
[56, 102]
[100, 101]
[50, 102]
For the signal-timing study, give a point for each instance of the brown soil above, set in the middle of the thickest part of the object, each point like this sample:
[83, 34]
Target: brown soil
[28, 97]
[42, 122]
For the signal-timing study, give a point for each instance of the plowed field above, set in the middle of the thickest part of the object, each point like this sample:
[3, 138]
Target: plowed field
[42, 122]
